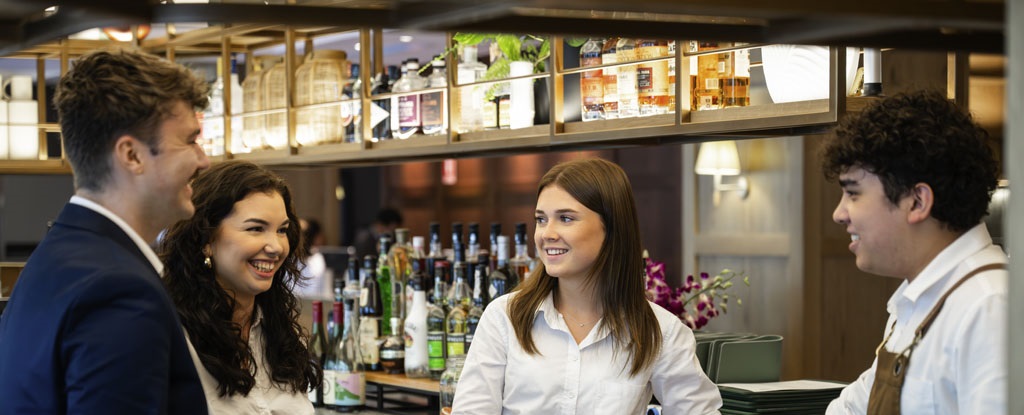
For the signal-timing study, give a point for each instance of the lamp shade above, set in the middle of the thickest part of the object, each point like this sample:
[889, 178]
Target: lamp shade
[718, 158]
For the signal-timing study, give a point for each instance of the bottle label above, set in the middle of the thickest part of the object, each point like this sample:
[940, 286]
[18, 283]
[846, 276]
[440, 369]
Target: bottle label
[456, 344]
[431, 105]
[409, 111]
[329, 384]
[435, 350]
[392, 354]
[364, 295]
[369, 331]
[349, 388]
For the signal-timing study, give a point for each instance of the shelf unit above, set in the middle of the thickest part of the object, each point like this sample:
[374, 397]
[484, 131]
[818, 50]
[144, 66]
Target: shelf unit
[243, 28]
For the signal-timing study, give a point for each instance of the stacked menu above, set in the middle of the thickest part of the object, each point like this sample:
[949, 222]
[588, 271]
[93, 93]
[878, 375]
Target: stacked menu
[796, 397]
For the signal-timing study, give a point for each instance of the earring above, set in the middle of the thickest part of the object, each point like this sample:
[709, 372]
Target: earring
[208, 262]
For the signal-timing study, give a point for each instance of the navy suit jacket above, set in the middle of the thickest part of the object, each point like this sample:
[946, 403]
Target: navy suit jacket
[89, 329]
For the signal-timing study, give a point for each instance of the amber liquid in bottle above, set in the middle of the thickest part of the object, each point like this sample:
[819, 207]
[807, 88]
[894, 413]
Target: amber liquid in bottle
[652, 77]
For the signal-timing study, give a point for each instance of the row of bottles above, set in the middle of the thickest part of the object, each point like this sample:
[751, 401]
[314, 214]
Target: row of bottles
[716, 80]
[416, 307]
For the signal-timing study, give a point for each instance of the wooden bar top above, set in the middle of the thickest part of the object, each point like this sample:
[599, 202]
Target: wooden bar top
[402, 381]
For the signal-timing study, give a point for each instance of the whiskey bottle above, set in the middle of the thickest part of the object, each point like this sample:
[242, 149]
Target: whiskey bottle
[392, 350]
[610, 78]
[501, 275]
[736, 87]
[652, 77]
[591, 82]
[625, 51]
[711, 69]
[370, 312]
[521, 263]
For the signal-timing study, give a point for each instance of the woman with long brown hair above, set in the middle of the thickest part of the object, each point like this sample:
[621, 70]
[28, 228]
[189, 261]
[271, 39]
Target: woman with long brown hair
[579, 336]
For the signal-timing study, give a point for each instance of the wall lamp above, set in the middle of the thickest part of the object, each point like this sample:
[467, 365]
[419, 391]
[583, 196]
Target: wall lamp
[720, 158]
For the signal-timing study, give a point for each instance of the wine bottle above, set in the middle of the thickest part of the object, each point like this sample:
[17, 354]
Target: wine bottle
[417, 363]
[343, 367]
[370, 311]
[318, 350]
[455, 321]
[495, 231]
[472, 249]
[435, 254]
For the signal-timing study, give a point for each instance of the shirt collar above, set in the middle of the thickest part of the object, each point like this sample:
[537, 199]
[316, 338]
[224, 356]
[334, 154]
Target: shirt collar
[553, 318]
[938, 270]
[142, 244]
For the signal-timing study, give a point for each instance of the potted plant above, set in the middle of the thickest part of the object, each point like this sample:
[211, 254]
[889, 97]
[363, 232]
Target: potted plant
[519, 52]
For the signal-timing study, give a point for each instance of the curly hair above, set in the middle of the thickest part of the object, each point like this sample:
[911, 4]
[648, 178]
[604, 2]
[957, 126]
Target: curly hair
[919, 137]
[206, 309]
[601, 186]
[107, 94]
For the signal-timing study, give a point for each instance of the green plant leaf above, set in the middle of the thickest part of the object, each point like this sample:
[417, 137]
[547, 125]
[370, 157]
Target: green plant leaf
[511, 46]
[471, 38]
[575, 41]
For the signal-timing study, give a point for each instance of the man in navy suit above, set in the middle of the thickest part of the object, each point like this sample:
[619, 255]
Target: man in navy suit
[89, 328]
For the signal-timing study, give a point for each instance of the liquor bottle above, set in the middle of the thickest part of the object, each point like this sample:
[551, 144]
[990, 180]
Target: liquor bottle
[434, 105]
[370, 311]
[471, 98]
[493, 260]
[353, 290]
[711, 69]
[521, 263]
[434, 254]
[399, 260]
[652, 77]
[629, 106]
[736, 86]
[439, 296]
[473, 249]
[455, 323]
[353, 90]
[416, 255]
[501, 275]
[472, 321]
[318, 348]
[502, 101]
[480, 285]
[591, 82]
[693, 46]
[417, 364]
[458, 248]
[237, 97]
[344, 368]
[392, 350]
[610, 78]
[406, 109]
[385, 284]
[380, 109]
[436, 328]
[672, 76]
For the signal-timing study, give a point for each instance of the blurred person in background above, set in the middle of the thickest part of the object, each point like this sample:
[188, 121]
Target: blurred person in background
[368, 239]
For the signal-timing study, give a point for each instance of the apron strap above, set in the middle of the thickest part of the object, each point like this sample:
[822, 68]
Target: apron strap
[927, 323]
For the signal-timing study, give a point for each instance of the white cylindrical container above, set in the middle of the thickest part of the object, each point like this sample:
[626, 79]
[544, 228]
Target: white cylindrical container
[4, 148]
[23, 138]
[872, 71]
[521, 95]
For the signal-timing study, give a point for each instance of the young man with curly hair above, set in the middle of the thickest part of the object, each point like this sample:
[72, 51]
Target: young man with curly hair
[917, 175]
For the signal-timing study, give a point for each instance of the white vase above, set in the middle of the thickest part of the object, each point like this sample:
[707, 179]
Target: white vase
[521, 95]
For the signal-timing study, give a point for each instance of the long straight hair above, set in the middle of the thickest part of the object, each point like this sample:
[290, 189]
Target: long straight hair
[617, 274]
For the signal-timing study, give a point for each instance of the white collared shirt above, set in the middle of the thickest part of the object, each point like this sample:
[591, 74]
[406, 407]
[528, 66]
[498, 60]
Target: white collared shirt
[960, 366]
[142, 243]
[265, 398]
[591, 377]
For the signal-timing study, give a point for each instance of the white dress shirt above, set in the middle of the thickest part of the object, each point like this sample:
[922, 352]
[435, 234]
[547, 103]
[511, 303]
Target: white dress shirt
[960, 366]
[265, 398]
[591, 377]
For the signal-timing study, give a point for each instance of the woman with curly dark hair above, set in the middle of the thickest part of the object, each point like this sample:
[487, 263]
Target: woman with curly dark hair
[230, 270]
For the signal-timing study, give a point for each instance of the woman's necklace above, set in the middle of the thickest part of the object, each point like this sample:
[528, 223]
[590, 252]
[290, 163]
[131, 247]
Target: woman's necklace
[577, 322]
